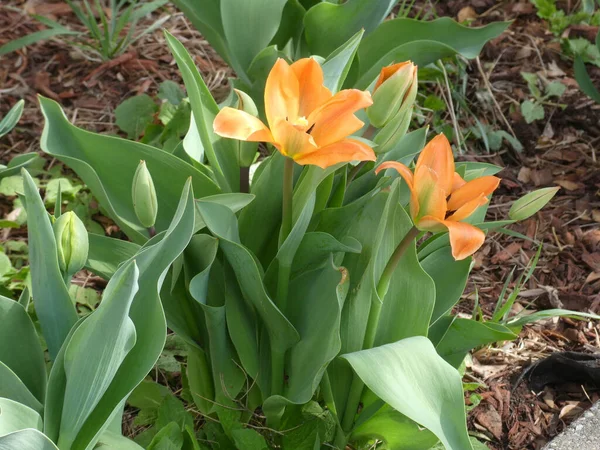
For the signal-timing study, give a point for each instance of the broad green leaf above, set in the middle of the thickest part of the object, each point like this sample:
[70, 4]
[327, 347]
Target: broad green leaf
[411, 377]
[466, 334]
[328, 25]
[235, 201]
[396, 430]
[169, 437]
[316, 247]
[338, 63]
[12, 388]
[15, 165]
[411, 144]
[411, 297]
[29, 439]
[171, 92]
[105, 337]
[106, 254]
[15, 416]
[12, 117]
[134, 114]
[422, 42]
[114, 441]
[450, 277]
[532, 111]
[477, 169]
[153, 261]
[92, 157]
[200, 379]
[50, 295]
[317, 293]
[531, 203]
[20, 349]
[249, 439]
[206, 18]
[222, 223]
[220, 152]
[249, 26]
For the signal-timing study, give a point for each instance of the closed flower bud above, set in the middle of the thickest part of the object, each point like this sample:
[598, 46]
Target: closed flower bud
[395, 91]
[71, 243]
[144, 196]
[390, 136]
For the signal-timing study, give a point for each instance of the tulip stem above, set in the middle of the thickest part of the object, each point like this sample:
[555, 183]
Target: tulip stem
[357, 386]
[288, 191]
[368, 134]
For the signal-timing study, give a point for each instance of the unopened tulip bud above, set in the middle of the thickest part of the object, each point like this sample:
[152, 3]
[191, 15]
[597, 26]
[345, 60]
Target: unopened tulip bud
[391, 135]
[71, 243]
[144, 196]
[395, 91]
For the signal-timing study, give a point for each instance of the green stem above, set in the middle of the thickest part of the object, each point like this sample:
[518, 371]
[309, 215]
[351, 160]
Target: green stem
[283, 279]
[340, 439]
[368, 134]
[357, 386]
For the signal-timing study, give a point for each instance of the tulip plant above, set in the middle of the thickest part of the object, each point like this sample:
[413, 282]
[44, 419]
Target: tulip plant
[316, 308]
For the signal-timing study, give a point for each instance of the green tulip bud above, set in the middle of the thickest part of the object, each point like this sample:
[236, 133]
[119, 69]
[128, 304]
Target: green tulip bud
[531, 203]
[391, 134]
[246, 150]
[395, 91]
[71, 243]
[144, 196]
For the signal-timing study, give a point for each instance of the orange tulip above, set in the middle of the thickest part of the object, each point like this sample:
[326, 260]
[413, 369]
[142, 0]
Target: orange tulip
[306, 121]
[441, 199]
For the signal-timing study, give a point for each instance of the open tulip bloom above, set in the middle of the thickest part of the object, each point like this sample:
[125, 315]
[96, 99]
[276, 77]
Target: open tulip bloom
[306, 121]
[441, 199]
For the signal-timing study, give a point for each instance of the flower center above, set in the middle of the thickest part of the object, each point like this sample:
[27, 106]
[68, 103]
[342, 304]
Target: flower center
[301, 123]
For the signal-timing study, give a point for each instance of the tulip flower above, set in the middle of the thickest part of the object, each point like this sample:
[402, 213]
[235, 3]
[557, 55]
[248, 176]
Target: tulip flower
[307, 123]
[143, 196]
[441, 199]
[72, 243]
[394, 93]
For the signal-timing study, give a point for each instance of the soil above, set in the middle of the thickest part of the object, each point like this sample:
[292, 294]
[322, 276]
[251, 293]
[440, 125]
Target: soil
[561, 150]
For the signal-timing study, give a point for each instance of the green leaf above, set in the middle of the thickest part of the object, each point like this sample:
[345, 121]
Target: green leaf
[555, 89]
[411, 377]
[106, 254]
[17, 163]
[28, 439]
[532, 111]
[349, 18]
[114, 441]
[249, 26]
[397, 430]
[168, 438]
[585, 82]
[220, 152]
[337, 65]
[12, 388]
[32, 38]
[450, 277]
[15, 416]
[50, 295]
[466, 334]
[147, 315]
[92, 157]
[422, 42]
[235, 202]
[531, 203]
[105, 337]
[9, 121]
[148, 395]
[134, 114]
[171, 92]
[66, 189]
[411, 297]
[520, 320]
[249, 439]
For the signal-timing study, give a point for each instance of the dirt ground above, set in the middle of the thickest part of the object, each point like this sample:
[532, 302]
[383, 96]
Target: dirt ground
[561, 150]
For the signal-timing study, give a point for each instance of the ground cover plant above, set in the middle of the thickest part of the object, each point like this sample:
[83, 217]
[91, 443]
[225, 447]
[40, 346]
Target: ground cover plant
[280, 320]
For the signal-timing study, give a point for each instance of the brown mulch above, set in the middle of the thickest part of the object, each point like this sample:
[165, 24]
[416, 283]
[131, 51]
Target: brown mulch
[561, 150]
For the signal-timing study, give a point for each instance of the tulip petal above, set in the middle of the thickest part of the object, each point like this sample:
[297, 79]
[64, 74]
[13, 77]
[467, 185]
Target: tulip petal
[472, 190]
[431, 197]
[468, 208]
[457, 182]
[437, 155]
[334, 120]
[291, 141]
[404, 171]
[236, 124]
[342, 151]
[282, 93]
[312, 92]
[465, 239]
[388, 71]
